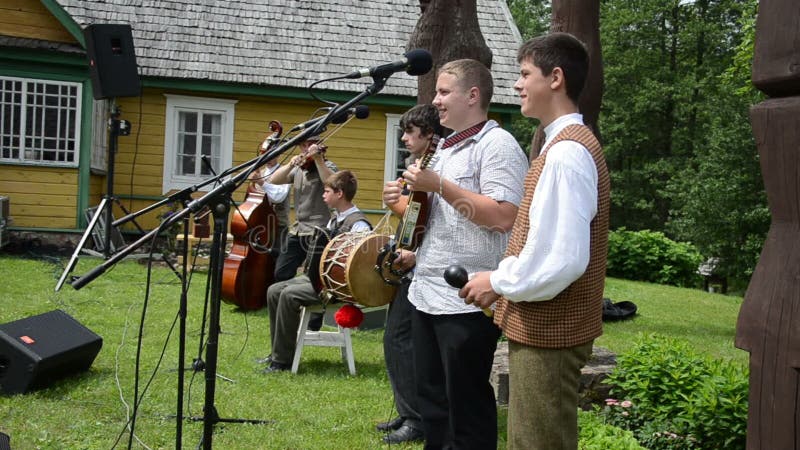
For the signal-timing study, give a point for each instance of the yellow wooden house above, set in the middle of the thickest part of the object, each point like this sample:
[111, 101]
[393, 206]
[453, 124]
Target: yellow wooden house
[233, 66]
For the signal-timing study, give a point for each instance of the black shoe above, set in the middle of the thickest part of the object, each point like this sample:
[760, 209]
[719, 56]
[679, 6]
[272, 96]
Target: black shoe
[404, 434]
[275, 367]
[391, 425]
[265, 360]
[315, 323]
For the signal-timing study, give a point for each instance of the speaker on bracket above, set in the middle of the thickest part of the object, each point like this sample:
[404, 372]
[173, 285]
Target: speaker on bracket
[38, 350]
[112, 60]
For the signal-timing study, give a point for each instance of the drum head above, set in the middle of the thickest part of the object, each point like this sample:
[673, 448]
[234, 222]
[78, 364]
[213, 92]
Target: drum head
[366, 285]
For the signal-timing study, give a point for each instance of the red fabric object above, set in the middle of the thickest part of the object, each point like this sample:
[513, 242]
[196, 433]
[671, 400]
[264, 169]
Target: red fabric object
[349, 316]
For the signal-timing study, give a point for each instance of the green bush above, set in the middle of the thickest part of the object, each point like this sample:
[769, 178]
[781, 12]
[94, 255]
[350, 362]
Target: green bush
[657, 374]
[654, 434]
[594, 434]
[717, 411]
[676, 398]
[651, 256]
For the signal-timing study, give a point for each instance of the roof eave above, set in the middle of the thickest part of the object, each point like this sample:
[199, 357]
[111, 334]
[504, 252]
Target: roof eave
[66, 20]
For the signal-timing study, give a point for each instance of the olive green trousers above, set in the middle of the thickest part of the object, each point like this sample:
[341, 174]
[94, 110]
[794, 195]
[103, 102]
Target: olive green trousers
[543, 396]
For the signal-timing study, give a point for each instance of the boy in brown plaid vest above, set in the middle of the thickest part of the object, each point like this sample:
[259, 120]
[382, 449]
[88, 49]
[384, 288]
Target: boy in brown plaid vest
[548, 290]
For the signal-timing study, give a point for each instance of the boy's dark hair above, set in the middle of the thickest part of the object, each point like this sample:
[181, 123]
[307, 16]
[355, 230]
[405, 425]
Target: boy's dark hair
[343, 181]
[425, 117]
[559, 50]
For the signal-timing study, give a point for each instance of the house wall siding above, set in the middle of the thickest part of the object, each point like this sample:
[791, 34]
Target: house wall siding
[40, 196]
[30, 19]
[358, 146]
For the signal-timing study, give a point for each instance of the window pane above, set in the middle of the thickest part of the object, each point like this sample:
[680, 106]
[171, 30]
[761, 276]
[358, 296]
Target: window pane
[186, 154]
[188, 122]
[40, 120]
[211, 145]
[212, 124]
[10, 122]
[204, 169]
[215, 163]
[187, 143]
[205, 149]
[187, 165]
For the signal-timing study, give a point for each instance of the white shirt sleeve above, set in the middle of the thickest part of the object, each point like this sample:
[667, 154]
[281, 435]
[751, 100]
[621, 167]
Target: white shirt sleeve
[360, 226]
[276, 192]
[556, 251]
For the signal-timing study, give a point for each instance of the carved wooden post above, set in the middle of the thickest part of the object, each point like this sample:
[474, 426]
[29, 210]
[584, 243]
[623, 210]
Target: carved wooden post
[769, 320]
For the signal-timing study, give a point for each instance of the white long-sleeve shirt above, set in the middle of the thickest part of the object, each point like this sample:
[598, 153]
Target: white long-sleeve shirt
[275, 192]
[556, 251]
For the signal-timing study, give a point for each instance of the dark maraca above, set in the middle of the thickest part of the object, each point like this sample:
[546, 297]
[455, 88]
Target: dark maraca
[457, 277]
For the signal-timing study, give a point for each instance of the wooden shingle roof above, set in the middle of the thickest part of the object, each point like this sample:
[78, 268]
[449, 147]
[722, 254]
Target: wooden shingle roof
[287, 43]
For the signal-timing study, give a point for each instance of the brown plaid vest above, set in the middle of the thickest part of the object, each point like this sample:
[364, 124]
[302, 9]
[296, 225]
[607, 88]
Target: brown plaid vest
[574, 316]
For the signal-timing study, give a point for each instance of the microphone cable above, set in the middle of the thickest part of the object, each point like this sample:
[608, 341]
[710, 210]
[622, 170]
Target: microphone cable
[314, 96]
[137, 400]
[135, 154]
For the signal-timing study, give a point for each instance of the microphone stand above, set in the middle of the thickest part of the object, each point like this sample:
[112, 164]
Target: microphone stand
[102, 216]
[182, 313]
[218, 200]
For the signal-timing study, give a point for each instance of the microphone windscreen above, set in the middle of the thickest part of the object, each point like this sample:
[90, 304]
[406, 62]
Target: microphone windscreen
[420, 61]
[362, 112]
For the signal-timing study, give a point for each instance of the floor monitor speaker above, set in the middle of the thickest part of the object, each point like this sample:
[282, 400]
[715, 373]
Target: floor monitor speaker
[112, 60]
[38, 350]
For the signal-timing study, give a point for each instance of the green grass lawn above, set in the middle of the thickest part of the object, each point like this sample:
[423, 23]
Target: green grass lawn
[707, 321]
[320, 407]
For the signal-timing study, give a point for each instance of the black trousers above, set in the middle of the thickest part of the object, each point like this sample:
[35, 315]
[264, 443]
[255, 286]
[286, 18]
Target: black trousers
[454, 355]
[398, 350]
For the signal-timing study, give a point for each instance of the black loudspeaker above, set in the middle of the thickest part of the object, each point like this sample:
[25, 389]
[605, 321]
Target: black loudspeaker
[112, 61]
[38, 350]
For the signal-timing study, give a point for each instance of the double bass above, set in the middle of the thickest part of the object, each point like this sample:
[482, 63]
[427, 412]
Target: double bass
[249, 268]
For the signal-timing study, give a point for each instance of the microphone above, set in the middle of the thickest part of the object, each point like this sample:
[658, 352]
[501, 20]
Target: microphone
[360, 111]
[415, 62]
[306, 124]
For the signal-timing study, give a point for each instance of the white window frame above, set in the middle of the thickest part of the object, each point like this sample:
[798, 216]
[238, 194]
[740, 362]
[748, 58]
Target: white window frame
[394, 148]
[181, 103]
[67, 144]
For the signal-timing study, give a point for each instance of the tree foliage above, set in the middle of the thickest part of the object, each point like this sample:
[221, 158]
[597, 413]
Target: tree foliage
[719, 203]
[676, 132]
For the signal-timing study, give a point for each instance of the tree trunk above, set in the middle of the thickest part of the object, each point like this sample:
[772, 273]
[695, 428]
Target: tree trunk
[449, 29]
[581, 18]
